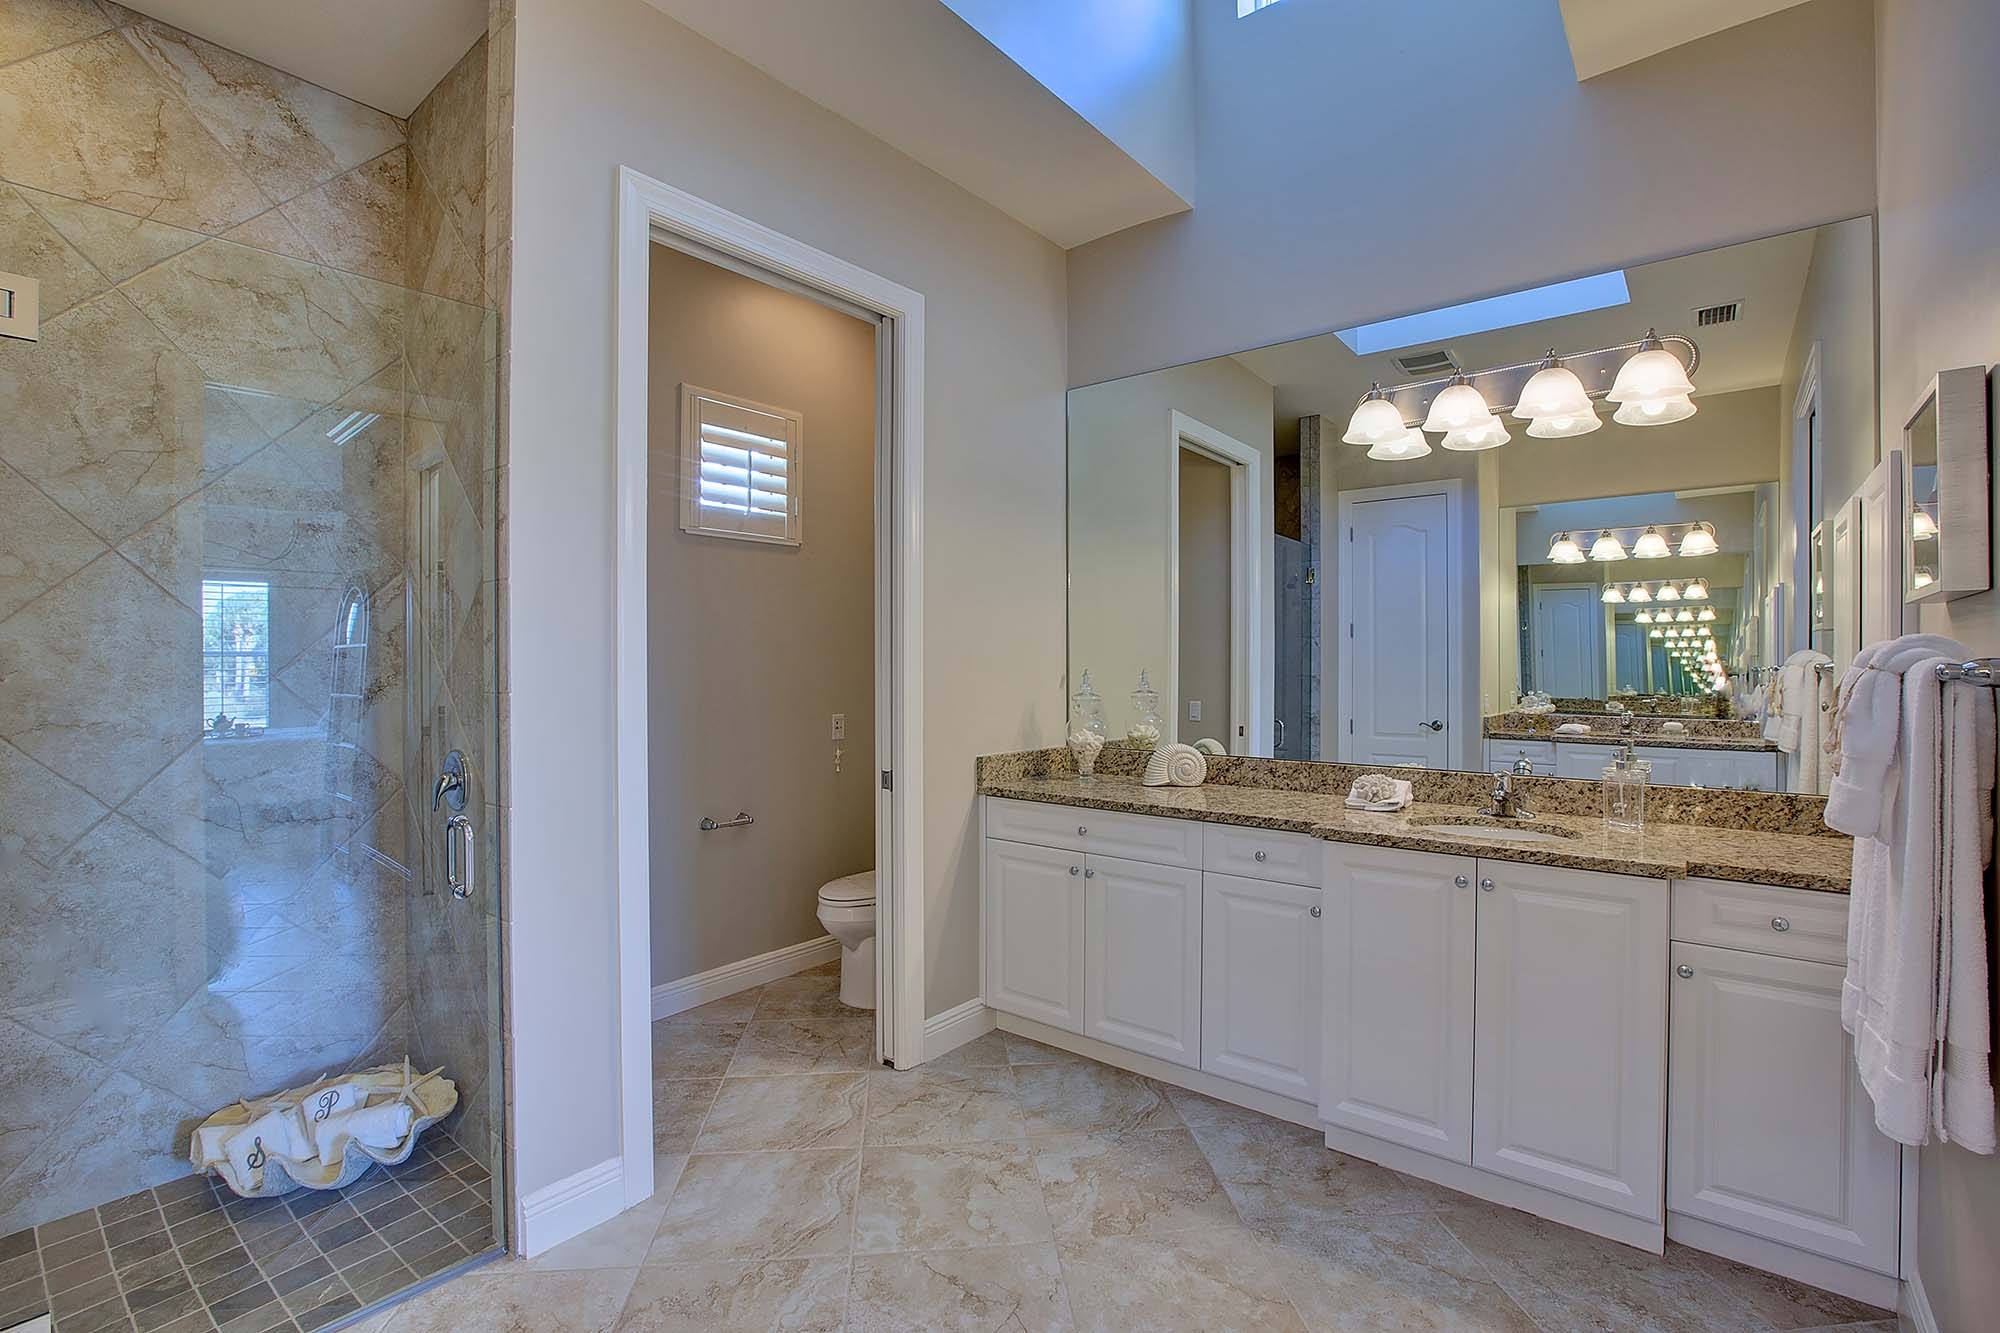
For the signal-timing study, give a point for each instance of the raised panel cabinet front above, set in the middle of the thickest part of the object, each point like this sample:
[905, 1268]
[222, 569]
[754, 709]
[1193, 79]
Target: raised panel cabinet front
[1142, 957]
[1034, 932]
[1570, 1056]
[1260, 984]
[1396, 988]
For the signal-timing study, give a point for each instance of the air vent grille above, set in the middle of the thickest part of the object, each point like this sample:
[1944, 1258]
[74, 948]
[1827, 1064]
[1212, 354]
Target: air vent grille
[1726, 313]
[1424, 365]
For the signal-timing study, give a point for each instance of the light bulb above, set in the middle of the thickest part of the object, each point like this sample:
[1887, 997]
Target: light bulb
[1458, 407]
[1650, 374]
[1696, 590]
[1411, 444]
[1650, 546]
[1555, 403]
[1668, 593]
[1488, 434]
[1654, 412]
[1922, 525]
[1375, 421]
[1607, 547]
[1707, 613]
[1644, 617]
[1564, 427]
[1700, 540]
[1564, 550]
[1640, 593]
[1613, 593]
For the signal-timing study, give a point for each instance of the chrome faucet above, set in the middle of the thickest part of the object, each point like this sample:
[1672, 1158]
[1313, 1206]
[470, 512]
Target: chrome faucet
[1505, 805]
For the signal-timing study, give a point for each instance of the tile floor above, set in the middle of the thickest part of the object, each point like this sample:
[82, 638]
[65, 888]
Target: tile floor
[1011, 1186]
[190, 1257]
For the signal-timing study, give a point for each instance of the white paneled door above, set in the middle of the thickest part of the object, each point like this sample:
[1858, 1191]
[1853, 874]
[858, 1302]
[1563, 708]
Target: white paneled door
[1569, 640]
[1395, 646]
[1142, 957]
[1260, 983]
[1034, 932]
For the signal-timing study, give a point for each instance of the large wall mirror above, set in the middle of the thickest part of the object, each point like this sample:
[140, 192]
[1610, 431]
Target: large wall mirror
[1509, 533]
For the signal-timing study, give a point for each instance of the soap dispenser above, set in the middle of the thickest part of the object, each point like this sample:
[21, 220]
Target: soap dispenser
[1625, 782]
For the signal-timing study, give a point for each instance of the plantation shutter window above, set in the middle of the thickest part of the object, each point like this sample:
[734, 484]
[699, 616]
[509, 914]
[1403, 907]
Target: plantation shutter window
[741, 468]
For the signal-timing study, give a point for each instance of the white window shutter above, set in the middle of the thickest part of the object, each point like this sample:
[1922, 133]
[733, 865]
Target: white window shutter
[742, 467]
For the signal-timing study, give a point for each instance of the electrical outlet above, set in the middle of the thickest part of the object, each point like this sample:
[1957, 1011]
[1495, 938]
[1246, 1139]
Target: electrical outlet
[1194, 710]
[840, 726]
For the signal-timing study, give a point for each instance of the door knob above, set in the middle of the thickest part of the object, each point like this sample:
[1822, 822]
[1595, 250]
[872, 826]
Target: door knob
[1076, 870]
[1435, 724]
[1684, 972]
[1081, 830]
[1486, 886]
[1315, 913]
[1090, 874]
[1780, 924]
[1260, 856]
[1462, 882]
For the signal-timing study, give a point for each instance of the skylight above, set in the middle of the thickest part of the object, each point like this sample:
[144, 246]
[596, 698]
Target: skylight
[1574, 297]
[1245, 8]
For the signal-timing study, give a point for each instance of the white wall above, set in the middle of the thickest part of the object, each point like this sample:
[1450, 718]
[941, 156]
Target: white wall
[1938, 104]
[608, 82]
[1353, 159]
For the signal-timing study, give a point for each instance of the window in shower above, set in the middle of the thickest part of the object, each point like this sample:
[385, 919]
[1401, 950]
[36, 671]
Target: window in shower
[235, 653]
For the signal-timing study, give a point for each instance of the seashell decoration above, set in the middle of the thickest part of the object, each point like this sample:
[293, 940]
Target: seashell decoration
[1210, 745]
[1085, 745]
[1176, 765]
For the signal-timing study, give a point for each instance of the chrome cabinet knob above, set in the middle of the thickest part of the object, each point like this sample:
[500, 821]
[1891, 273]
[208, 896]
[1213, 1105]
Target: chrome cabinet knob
[1684, 972]
[1076, 870]
[1081, 830]
[1260, 856]
[1315, 912]
[1090, 874]
[1463, 882]
[1780, 924]
[1486, 886]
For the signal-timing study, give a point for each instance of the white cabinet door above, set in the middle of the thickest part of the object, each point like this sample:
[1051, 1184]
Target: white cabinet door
[1033, 900]
[1587, 761]
[1260, 984]
[1671, 768]
[1396, 997]
[1142, 957]
[1770, 1130]
[1570, 1056]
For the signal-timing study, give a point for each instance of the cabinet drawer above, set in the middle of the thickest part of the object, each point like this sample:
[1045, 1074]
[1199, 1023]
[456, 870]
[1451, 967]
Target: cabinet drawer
[1790, 923]
[1173, 842]
[1286, 858]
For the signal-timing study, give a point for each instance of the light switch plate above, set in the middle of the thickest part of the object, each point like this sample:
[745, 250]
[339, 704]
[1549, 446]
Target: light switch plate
[1194, 710]
[840, 726]
[20, 307]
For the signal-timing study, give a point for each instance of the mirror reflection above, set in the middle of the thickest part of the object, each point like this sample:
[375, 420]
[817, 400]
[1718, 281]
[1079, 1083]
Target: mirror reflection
[1521, 533]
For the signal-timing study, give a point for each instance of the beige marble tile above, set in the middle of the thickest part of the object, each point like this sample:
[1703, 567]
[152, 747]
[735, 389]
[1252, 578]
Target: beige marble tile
[920, 1106]
[1141, 1182]
[1215, 1280]
[694, 1050]
[781, 1295]
[508, 1300]
[29, 27]
[1027, 1051]
[117, 244]
[40, 545]
[448, 142]
[1084, 1097]
[804, 1046]
[1781, 1302]
[355, 220]
[275, 233]
[1565, 1278]
[667, 1168]
[792, 1111]
[111, 1146]
[764, 1205]
[1398, 1272]
[289, 135]
[814, 994]
[679, 1105]
[1014, 1287]
[948, 1198]
[49, 1080]
[621, 1242]
[43, 814]
[28, 244]
[986, 1051]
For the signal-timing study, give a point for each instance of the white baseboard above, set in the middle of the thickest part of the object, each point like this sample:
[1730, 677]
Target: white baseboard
[675, 997]
[956, 1026]
[569, 1207]
[1815, 1270]
[1917, 1306]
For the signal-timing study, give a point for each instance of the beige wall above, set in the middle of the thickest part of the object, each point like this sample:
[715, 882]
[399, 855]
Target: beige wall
[1730, 441]
[1939, 181]
[1331, 190]
[608, 82]
[754, 646]
[1204, 609]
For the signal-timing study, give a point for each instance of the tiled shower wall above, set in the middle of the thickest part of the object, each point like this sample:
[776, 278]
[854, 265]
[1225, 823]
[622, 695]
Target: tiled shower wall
[265, 316]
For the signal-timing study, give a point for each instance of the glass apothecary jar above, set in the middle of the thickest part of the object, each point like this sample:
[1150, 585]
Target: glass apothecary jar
[1087, 728]
[1148, 728]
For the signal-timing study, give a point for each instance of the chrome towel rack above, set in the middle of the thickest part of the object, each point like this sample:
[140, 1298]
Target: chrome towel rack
[1979, 671]
[742, 819]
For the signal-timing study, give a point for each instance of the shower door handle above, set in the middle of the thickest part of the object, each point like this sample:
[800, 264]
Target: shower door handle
[458, 868]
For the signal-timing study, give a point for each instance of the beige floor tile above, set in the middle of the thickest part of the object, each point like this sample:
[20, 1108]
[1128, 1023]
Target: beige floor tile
[1027, 1051]
[1218, 1281]
[791, 1111]
[764, 1205]
[814, 994]
[1282, 1177]
[1017, 1288]
[1086, 1098]
[693, 1050]
[667, 1168]
[679, 1104]
[792, 1295]
[948, 1197]
[621, 1242]
[513, 1301]
[1401, 1272]
[1142, 1182]
[804, 1046]
[986, 1051]
[951, 1106]
[1779, 1301]
[736, 1008]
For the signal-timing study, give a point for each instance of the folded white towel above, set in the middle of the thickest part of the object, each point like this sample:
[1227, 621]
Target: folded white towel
[384, 1125]
[1573, 729]
[321, 1103]
[1867, 721]
[249, 1149]
[1371, 797]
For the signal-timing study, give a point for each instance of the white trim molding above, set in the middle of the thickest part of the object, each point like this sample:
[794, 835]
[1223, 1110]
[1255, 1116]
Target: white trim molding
[677, 997]
[569, 1207]
[648, 209]
[1917, 1305]
[1249, 567]
[956, 1026]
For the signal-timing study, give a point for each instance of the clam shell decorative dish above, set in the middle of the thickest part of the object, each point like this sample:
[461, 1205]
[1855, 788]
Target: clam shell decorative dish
[1176, 765]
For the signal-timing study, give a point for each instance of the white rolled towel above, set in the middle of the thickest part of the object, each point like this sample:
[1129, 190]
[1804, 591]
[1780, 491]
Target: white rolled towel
[385, 1125]
[321, 1104]
[249, 1148]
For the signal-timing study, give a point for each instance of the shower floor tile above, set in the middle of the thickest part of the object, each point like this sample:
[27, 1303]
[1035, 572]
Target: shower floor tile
[189, 1255]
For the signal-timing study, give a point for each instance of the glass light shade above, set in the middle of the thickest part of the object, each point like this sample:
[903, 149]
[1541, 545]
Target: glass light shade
[1458, 407]
[1657, 634]
[1375, 421]
[1553, 391]
[1684, 617]
[1922, 525]
[1667, 593]
[1644, 617]
[1700, 540]
[1564, 427]
[1613, 593]
[1607, 547]
[1564, 550]
[1707, 614]
[1654, 412]
[1650, 546]
[1924, 578]
[1640, 593]
[1650, 374]
[1488, 434]
[1411, 444]
[1696, 590]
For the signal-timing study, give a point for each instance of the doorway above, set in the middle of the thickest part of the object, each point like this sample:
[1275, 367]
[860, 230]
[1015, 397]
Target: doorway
[1398, 625]
[1567, 625]
[1217, 634]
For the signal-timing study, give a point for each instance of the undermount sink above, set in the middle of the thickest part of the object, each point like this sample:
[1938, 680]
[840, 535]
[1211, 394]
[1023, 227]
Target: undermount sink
[1485, 830]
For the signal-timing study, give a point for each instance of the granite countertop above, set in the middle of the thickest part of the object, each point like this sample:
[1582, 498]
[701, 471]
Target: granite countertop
[1654, 740]
[1663, 851]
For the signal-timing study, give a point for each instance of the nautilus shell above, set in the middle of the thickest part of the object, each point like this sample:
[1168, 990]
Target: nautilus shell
[1176, 765]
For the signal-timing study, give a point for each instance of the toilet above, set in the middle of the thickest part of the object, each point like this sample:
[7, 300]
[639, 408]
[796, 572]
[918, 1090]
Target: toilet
[847, 910]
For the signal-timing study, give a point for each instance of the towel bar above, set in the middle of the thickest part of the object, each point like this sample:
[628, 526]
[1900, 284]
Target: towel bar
[742, 818]
[1979, 671]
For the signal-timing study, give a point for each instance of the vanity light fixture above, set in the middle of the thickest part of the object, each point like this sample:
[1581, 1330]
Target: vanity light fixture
[1555, 403]
[1564, 550]
[1458, 407]
[1700, 540]
[1411, 444]
[1650, 546]
[1639, 593]
[1924, 577]
[1652, 388]
[1922, 525]
[1684, 617]
[1707, 614]
[1613, 594]
[1668, 593]
[1696, 590]
[1488, 434]
[1607, 547]
[1644, 618]
[1376, 420]
[1657, 634]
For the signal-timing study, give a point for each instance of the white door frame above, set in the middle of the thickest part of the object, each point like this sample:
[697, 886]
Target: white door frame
[1535, 623]
[1453, 491]
[646, 207]
[1249, 691]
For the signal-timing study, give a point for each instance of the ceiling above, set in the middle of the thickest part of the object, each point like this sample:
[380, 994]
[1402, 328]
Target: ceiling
[1607, 34]
[1319, 374]
[385, 53]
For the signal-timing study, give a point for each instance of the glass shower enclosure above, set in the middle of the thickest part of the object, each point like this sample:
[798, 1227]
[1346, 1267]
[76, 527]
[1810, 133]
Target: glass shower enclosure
[247, 576]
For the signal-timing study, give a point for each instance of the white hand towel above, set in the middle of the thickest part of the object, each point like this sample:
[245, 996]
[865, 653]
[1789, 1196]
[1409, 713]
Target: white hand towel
[1867, 720]
[322, 1103]
[249, 1149]
[1962, 1080]
[382, 1126]
[1402, 792]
